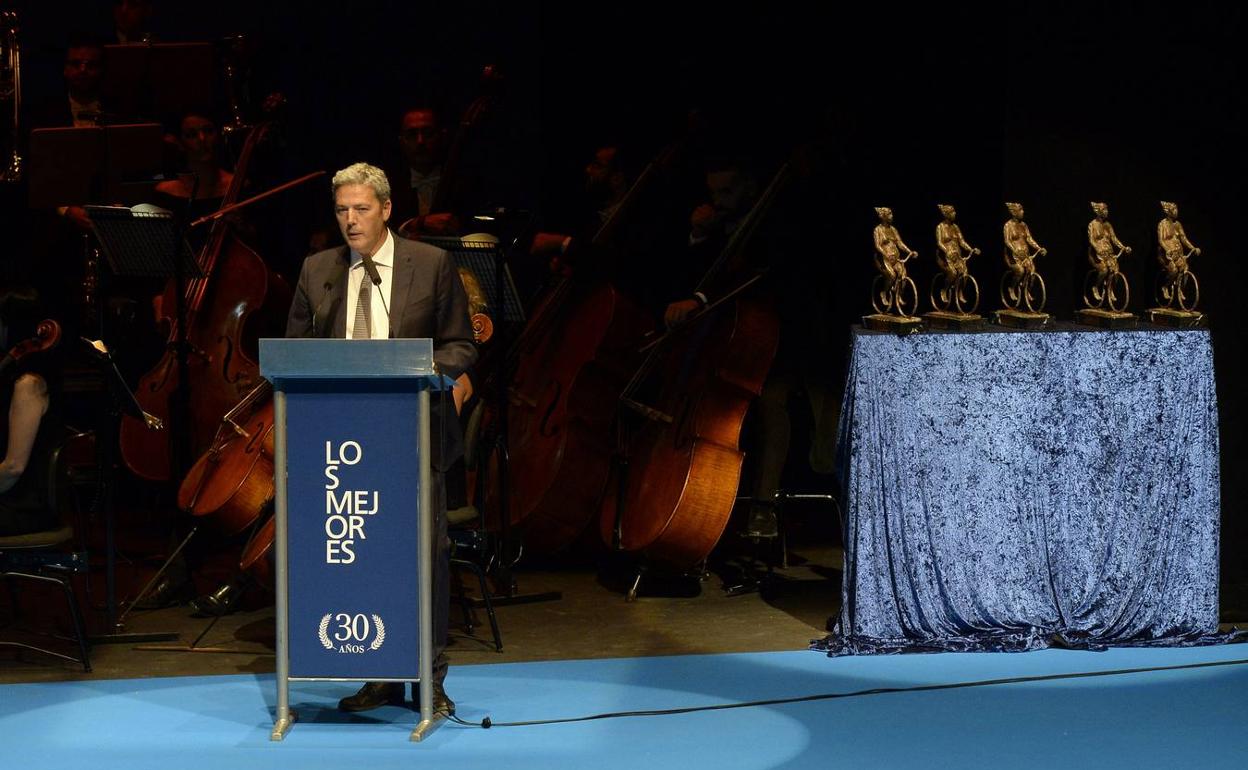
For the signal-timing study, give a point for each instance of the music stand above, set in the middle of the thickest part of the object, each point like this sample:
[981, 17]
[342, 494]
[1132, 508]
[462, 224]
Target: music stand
[159, 80]
[143, 243]
[76, 166]
[483, 256]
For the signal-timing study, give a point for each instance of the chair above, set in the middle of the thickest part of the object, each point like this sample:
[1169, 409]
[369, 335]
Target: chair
[472, 547]
[51, 556]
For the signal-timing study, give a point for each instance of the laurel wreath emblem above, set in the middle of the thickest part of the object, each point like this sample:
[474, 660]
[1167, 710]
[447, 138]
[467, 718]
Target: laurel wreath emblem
[322, 633]
[381, 633]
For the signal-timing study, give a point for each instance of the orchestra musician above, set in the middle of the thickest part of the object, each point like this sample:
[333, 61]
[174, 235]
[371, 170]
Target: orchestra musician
[33, 425]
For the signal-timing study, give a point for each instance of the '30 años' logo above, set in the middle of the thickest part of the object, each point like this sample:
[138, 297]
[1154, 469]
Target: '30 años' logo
[350, 632]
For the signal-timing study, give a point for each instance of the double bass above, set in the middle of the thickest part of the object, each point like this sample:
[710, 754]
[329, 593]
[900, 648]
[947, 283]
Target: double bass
[573, 359]
[678, 485]
[226, 309]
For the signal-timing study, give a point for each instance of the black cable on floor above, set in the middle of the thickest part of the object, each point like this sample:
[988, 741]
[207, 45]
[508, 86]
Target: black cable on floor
[488, 723]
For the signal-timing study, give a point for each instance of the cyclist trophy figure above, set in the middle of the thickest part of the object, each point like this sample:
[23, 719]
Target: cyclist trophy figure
[955, 292]
[893, 293]
[1022, 289]
[1105, 290]
[1177, 291]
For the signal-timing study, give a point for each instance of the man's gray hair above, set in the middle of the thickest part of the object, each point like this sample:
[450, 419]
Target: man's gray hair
[364, 173]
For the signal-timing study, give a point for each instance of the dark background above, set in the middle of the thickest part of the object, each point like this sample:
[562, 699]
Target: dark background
[1049, 104]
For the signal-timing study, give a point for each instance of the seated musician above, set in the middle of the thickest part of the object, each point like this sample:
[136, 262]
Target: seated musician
[422, 142]
[132, 21]
[732, 191]
[200, 175]
[33, 426]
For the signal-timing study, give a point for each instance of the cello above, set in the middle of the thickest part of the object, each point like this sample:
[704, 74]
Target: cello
[683, 463]
[225, 310]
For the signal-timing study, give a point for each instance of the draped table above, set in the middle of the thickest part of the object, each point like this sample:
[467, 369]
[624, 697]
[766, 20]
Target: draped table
[1009, 490]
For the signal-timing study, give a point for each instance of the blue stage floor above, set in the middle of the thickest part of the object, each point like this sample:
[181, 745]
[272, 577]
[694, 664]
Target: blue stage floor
[1196, 717]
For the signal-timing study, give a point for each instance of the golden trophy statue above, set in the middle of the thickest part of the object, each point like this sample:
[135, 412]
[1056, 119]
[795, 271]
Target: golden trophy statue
[1105, 290]
[1022, 289]
[1177, 290]
[955, 292]
[893, 293]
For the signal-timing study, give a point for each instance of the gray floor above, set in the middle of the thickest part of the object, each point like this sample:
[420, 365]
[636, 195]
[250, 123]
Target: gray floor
[589, 621]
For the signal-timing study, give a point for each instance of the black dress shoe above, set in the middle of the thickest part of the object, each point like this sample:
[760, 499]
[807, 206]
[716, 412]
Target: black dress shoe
[374, 695]
[442, 704]
[219, 602]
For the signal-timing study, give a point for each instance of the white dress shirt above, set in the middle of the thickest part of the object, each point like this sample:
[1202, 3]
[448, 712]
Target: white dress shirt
[384, 259]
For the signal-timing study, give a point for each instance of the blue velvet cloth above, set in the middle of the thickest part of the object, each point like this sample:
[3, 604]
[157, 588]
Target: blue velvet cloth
[1020, 490]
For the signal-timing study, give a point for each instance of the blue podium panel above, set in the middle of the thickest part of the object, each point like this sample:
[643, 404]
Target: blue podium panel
[1010, 491]
[352, 487]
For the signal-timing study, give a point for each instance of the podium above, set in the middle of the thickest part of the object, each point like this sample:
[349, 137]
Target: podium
[354, 558]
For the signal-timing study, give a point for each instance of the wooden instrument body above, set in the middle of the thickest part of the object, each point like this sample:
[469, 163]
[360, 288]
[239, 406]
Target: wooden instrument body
[681, 479]
[231, 484]
[561, 404]
[244, 301]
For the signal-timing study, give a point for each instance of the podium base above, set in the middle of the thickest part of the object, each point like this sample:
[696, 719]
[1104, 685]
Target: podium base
[1021, 319]
[426, 726]
[1177, 319]
[1106, 319]
[900, 324]
[943, 319]
[282, 726]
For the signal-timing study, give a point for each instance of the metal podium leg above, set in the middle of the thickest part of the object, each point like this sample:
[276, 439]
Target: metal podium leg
[284, 717]
[428, 720]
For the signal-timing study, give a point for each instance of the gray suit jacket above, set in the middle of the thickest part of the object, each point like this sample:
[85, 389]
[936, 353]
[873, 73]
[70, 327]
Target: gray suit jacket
[426, 300]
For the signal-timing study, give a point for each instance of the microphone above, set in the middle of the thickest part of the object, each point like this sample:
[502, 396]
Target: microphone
[370, 267]
[329, 287]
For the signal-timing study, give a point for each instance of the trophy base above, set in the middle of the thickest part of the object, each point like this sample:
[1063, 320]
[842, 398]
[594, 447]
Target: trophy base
[900, 324]
[1106, 319]
[943, 319]
[1178, 319]
[1021, 319]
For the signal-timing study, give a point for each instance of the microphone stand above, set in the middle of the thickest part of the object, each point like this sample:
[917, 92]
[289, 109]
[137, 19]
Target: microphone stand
[123, 401]
[504, 577]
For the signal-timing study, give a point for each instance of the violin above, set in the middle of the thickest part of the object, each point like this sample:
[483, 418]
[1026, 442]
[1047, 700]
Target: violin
[47, 336]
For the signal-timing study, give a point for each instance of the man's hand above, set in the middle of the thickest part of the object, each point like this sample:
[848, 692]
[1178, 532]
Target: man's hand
[461, 392]
[679, 311]
[702, 221]
[443, 223]
[78, 217]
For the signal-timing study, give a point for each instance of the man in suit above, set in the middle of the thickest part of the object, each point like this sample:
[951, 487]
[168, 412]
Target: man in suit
[419, 295]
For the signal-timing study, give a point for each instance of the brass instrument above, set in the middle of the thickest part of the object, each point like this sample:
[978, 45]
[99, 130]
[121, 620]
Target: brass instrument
[11, 92]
